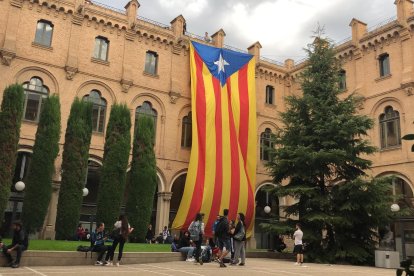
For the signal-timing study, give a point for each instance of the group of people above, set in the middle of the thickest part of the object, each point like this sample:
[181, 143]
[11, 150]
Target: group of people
[228, 237]
[119, 235]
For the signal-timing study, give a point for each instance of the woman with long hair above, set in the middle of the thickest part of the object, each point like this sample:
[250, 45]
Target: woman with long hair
[239, 238]
[120, 235]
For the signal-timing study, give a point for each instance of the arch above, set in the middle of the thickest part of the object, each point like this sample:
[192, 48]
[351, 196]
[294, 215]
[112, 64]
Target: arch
[107, 92]
[379, 106]
[47, 77]
[161, 177]
[176, 176]
[96, 159]
[142, 97]
[267, 124]
[397, 174]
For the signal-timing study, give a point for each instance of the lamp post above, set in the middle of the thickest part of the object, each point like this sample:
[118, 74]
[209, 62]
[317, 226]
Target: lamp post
[396, 208]
[19, 187]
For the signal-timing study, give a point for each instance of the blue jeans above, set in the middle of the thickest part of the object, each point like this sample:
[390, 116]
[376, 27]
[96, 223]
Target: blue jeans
[189, 250]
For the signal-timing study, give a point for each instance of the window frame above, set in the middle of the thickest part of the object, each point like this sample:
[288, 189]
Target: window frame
[43, 31]
[148, 110]
[42, 92]
[147, 68]
[342, 80]
[186, 131]
[384, 65]
[101, 107]
[270, 94]
[384, 121]
[265, 144]
[97, 55]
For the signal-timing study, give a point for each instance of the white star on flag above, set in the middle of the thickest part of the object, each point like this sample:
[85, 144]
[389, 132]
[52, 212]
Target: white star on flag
[220, 64]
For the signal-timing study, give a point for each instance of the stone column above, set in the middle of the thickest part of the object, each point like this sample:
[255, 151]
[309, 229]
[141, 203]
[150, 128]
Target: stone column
[163, 211]
[49, 232]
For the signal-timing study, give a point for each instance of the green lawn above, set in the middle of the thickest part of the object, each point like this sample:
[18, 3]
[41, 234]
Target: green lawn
[72, 245]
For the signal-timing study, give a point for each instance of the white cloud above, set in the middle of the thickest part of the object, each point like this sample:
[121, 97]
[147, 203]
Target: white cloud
[190, 7]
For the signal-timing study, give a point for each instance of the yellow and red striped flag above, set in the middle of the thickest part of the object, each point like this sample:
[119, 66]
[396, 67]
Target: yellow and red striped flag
[222, 169]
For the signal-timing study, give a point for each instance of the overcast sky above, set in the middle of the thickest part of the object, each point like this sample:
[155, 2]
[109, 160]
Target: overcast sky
[283, 27]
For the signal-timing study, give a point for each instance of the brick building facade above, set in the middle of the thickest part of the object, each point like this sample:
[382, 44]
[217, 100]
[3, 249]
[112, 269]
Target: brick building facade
[78, 48]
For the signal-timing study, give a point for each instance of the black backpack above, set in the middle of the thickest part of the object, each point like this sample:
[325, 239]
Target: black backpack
[222, 227]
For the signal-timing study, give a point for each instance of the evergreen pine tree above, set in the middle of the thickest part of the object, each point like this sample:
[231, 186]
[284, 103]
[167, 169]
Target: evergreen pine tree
[39, 179]
[10, 122]
[113, 172]
[74, 168]
[143, 178]
[322, 144]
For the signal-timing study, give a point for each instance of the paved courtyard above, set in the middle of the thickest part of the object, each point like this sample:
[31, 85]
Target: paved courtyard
[253, 267]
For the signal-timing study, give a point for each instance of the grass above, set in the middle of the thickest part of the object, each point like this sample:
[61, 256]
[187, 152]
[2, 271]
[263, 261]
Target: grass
[49, 245]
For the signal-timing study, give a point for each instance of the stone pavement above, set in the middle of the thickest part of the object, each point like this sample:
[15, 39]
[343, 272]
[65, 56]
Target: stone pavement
[253, 267]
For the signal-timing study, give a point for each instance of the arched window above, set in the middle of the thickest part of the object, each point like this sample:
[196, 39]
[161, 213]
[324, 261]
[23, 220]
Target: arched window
[98, 110]
[35, 92]
[44, 32]
[101, 48]
[186, 135]
[146, 110]
[266, 144]
[342, 80]
[384, 65]
[403, 191]
[390, 128]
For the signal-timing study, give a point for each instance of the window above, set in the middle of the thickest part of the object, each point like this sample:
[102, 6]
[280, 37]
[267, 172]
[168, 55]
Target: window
[98, 110]
[151, 63]
[266, 144]
[186, 135]
[342, 80]
[269, 94]
[384, 64]
[146, 110]
[402, 190]
[101, 48]
[390, 128]
[35, 93]
[44, 31]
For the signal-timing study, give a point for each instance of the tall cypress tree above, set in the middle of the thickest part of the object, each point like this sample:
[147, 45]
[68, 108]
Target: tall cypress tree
[10, 122]
[323, 143]
[115, 163]
[143, 178]
[39, 179]
[74, 168]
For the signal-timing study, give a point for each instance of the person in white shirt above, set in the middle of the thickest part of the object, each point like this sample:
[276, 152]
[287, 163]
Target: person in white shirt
[298, 249]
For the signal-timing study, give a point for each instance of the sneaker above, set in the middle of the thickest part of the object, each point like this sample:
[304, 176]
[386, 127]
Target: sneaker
[117, 263]
[222, 264]
[15, 265]
[99, 263]
[190, 260]
[296, 263]
[200, 261]
[241, 264]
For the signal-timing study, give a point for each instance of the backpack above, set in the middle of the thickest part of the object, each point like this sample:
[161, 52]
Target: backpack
[206, 254]
[86, 249]
[222, 227]
[195, 230]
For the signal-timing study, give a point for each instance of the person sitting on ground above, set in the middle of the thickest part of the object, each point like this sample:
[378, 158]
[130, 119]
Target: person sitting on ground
[80, 232]
[280, 245]
[87, 235]
[19, 244]
[159, 239]
[99, 243]
[185, 246]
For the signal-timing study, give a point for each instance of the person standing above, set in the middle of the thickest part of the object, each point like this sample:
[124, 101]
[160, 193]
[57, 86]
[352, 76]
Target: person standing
[240, 241]
[19, 244]
[122, 230]
[196, 230]
[298, 249]
[223, 235]
[149, 237]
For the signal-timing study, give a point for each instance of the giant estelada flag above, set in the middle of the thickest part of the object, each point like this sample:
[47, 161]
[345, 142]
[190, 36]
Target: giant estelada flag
[222, 169]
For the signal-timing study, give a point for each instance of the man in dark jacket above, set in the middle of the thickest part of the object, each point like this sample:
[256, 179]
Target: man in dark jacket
[223, 235]
[19, 244]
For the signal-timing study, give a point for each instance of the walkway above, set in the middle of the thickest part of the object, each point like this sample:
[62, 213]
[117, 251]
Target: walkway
[254, 267]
